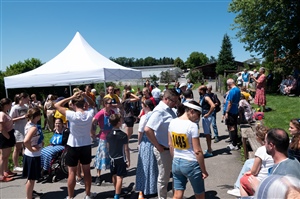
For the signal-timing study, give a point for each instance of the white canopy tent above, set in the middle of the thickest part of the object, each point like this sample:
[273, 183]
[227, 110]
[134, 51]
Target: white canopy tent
[78, 63]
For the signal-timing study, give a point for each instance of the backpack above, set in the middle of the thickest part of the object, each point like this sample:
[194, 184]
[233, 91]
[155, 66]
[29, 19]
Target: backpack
[216, 100]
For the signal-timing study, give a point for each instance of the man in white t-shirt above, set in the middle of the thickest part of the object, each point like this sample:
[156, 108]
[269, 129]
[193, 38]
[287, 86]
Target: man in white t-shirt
[156, 94]
[79, 141]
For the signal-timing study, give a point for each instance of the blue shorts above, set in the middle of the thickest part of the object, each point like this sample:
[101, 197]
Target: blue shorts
[184, 170]
[206, 123]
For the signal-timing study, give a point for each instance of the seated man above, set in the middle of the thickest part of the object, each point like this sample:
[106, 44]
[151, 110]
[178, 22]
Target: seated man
[292, 86]
[277, 144]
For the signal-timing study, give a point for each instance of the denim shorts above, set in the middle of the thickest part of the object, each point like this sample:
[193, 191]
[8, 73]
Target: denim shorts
[206, 123]
[184, 170]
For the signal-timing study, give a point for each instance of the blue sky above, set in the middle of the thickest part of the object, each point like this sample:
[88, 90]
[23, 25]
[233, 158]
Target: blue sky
[42, 29]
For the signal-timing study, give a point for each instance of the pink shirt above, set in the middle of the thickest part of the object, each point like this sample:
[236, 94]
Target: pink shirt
[103, 121]
[6, 120]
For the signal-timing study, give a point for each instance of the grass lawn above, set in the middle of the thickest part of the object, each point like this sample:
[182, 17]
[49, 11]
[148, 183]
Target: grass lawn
[284, 109]
[47, 136]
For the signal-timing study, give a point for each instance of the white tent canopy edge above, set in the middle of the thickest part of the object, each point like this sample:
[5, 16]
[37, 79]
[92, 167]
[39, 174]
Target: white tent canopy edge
[77, 64]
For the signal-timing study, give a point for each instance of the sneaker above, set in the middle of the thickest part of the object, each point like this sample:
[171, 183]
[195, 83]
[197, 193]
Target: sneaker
[234, 192]
[6, 179]
[18, 169]
[207, 154]
[232, 148]
[228, 140]
[9, 174]
[216, 140]
[80, 182]
[91, 196]
[36, 194]
[98, 181]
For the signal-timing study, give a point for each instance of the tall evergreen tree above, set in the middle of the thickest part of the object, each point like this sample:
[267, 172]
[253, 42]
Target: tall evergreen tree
[225, 59]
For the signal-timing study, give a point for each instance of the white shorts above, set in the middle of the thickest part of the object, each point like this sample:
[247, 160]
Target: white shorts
[19, 136]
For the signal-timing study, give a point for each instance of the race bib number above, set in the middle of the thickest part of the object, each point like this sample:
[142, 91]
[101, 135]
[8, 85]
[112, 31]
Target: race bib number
[180, 141]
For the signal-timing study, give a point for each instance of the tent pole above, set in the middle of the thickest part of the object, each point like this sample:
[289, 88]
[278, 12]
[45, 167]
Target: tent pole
[70, 90]
[6, 93]
[105, 87]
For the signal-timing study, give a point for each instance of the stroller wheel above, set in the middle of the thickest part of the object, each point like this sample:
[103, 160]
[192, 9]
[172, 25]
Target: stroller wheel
[54, 178]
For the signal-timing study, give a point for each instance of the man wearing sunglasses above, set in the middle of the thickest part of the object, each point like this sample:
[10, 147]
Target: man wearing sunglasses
[157, 132]
[115, 99]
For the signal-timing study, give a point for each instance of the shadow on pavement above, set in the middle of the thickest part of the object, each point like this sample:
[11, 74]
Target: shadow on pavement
[61, 194]
[222, 152]
[126, 193]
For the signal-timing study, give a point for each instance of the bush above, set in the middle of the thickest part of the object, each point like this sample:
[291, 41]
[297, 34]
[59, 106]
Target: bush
[195, 76]
[232, 76]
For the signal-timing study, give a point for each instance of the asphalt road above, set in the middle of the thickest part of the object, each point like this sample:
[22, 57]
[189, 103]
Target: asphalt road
[223, 169]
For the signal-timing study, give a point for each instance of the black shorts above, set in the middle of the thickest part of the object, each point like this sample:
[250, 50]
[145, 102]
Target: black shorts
[31, 167]
[75, 154]
[118, 167]
[129, 121]
[7, 143]
[231, 120]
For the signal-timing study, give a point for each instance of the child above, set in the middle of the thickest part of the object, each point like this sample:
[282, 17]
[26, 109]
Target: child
[117, 142]
[33, 142]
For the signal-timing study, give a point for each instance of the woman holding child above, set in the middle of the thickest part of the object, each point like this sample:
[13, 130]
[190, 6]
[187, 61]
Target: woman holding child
[188, 158]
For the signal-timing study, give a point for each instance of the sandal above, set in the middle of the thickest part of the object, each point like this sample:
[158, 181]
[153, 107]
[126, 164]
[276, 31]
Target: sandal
[9, 174]
[6, 179]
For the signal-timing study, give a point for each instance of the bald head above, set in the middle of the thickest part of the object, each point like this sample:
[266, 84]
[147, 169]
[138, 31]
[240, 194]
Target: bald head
[230, 82]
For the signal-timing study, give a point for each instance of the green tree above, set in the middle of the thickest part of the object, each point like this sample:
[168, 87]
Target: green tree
[165, 77]
[270, 28]
[154, 78]
[195, 76]
[179, 63]
[196, 59]
[18, 68]
[212, 59]
[22, 67]
[225, 59]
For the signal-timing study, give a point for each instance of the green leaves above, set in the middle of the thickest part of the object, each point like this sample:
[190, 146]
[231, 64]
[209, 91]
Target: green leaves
[269, 27]
[225, 59]
[196, 59]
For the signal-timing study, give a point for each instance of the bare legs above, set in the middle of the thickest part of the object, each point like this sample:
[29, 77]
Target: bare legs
[4, 155]
[72, 179]
[17, 151]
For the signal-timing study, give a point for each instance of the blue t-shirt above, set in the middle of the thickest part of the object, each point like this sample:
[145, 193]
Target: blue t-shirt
[234, 97]
[245, 77]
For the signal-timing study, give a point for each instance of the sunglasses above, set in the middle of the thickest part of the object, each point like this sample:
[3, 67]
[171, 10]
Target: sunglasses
[172, 100]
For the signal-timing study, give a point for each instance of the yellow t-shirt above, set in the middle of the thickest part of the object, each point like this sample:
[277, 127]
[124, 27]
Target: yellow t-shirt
[246, 95]
[57, 115]
[114, 97]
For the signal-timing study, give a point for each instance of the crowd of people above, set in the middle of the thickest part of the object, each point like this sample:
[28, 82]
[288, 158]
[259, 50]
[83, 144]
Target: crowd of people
[168, 137]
